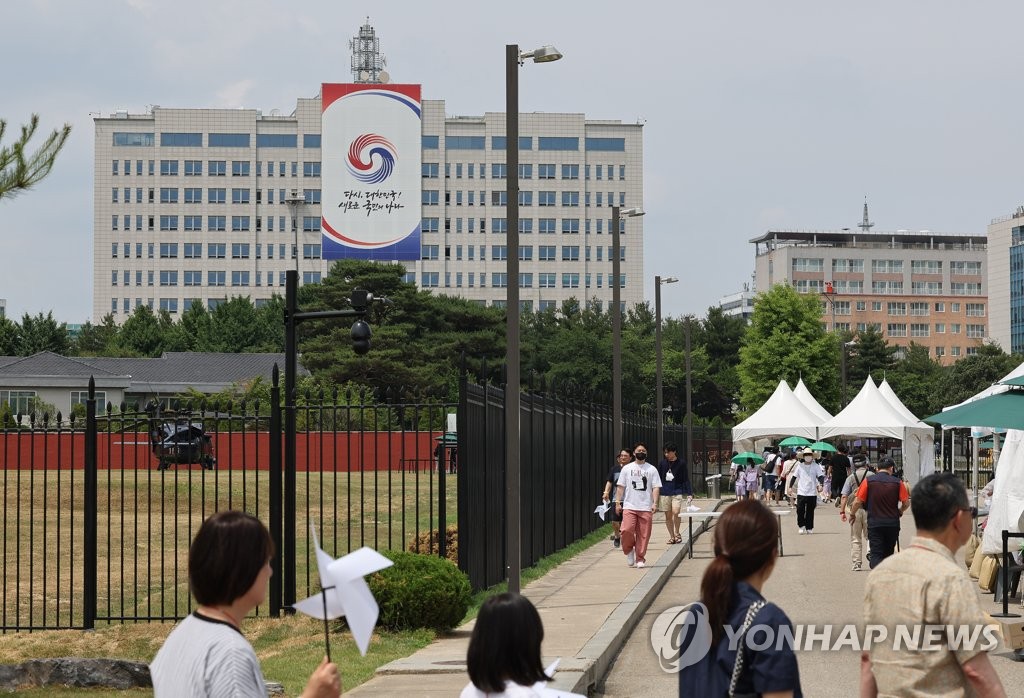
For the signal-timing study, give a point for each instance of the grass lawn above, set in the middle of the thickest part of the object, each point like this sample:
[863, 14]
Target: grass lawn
[147, 520]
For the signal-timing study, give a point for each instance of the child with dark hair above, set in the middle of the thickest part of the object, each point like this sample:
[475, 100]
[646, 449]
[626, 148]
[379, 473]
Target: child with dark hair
[746, 547]
[503, 659]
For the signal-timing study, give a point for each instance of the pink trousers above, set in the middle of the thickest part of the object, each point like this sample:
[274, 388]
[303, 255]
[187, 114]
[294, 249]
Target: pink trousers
[635, 532]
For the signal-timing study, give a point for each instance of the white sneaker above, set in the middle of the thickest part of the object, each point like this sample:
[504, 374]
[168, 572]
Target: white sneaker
[641, 564]
[631, 558]
[803, 530]
[810, 531]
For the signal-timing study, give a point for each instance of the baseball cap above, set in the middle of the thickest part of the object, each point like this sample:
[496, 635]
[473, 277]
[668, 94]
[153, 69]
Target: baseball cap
[860, 459]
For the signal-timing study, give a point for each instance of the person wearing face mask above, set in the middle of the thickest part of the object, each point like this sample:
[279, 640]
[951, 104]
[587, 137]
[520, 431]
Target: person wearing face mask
[636, 498]
[807, 488]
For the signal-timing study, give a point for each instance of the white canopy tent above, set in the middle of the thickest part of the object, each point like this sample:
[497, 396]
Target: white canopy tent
[924, 446]
[782, 414]
[804, 395]
[871, 414]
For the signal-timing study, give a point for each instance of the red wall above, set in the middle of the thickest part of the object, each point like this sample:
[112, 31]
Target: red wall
[314, 451]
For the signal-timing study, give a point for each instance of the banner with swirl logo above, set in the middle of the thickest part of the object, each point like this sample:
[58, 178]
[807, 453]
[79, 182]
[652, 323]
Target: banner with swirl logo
[371, 173]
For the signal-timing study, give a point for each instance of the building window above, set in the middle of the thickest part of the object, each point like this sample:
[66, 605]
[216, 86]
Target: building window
[897, 309]
[168, 222]
[606, 144]
[239, 250]
[919, 308]
[808, 265]
[925, 266]
[430, 197]
[571, 225]
[218, 168]
[891, 288]
[570, 171]
[557, 143]
[920, 330]
[964, 289]
[886, 266]
[193, 278]
[926, 288]
[844, 266]
[570, 280]
[78, 397]
[895, 329]
[570, 198]
[168, 167]
[967, 268]
[181, 140]
[168, 250]
[570, 253]
[168, 195]
[499, 170]
[429, 251]
[546, 198]
[499, 253]
[310, 169]
[229, 140]
[239, 223]
[168, 278]
[239, 196]
[975, 309]
[499, 279]
[216, 250]
[239, 278]
[137, 140]
[430, 279]
[975, 331]
[546, 253]
[277, 140]
[546, 171]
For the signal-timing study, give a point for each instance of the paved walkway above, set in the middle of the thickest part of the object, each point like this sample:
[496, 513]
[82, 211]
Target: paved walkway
[814, 584]
[589, 606]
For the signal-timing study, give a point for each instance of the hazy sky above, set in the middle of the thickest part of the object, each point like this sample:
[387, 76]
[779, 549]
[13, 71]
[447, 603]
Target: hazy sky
[758, 114]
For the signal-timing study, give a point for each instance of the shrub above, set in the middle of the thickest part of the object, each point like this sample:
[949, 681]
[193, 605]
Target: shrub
[420, 591]
[427, 543]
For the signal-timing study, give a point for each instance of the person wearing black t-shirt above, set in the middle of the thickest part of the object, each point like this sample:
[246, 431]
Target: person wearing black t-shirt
[840, 471]
[624, 458]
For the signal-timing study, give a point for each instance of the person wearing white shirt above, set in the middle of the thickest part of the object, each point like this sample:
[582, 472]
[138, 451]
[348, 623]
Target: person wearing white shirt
[807, 473]
[636, 498]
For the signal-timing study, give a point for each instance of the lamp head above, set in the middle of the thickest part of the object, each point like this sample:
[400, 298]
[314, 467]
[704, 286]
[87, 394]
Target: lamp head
[631, 212]
[669, 280]
[544, 54]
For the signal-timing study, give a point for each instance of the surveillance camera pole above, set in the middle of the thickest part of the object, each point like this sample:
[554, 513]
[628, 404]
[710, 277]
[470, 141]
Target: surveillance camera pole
[292, 317]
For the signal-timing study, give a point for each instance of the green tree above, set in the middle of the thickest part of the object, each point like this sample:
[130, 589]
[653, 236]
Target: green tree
[915, 379]
[972, 374]
[141, 334]
[870, 355]
[43, 333]
[97, 340]
[10, 337]
[19, 170]
[785, 341]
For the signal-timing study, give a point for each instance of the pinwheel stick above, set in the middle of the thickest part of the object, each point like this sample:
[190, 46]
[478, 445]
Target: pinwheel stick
[327, 632]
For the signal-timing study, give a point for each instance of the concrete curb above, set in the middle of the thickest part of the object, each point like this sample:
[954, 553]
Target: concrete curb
[583, 673]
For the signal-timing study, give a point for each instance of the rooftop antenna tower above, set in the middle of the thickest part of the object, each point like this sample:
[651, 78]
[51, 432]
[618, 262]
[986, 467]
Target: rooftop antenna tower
[866, 225]
[367, 61]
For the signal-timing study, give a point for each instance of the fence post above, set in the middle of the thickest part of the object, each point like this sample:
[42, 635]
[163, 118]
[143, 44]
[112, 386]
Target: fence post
[442, 509]
[90, 513]
[290, 371]
[276, 518]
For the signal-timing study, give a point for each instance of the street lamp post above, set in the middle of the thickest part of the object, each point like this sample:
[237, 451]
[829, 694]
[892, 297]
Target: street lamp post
[513, 59]
[689, 403]
[617, 212]
[293, 201]
[658, 399]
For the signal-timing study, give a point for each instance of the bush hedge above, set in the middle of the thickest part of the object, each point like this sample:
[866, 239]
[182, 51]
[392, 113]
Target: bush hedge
[420, 591]
[427, 543]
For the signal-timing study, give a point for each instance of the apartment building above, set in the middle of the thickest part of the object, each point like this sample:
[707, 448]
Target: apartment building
[1006, 280]
[923, 287]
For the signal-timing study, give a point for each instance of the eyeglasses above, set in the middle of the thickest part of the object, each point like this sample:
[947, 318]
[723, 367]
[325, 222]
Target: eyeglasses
[972, 510]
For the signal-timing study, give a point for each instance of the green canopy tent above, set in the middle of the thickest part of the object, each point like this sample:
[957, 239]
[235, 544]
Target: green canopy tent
[999, 411]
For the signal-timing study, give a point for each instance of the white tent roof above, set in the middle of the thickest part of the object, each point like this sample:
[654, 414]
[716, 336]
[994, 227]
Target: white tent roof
[781, 415]
[872, 414]
[869, 414]
[889, 394]
[804, 395]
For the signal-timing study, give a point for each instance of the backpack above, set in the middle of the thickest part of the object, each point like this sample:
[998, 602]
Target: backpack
[769, 464]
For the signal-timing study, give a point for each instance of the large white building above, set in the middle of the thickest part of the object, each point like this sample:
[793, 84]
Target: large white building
[1006, 280]
[204, 204]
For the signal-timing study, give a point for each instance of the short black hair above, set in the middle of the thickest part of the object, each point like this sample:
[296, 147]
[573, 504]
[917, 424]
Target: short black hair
[505, 645]
[843, 448]
[671, 447]
[885, 463]
[638, 445]
[226, 556]
[936, 499]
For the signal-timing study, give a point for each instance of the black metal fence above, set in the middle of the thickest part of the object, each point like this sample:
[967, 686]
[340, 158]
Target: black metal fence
[92, 530]
[97, 515]
[567, 447]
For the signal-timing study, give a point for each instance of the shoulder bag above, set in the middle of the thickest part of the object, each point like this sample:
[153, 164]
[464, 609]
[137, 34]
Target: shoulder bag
[737, 668]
